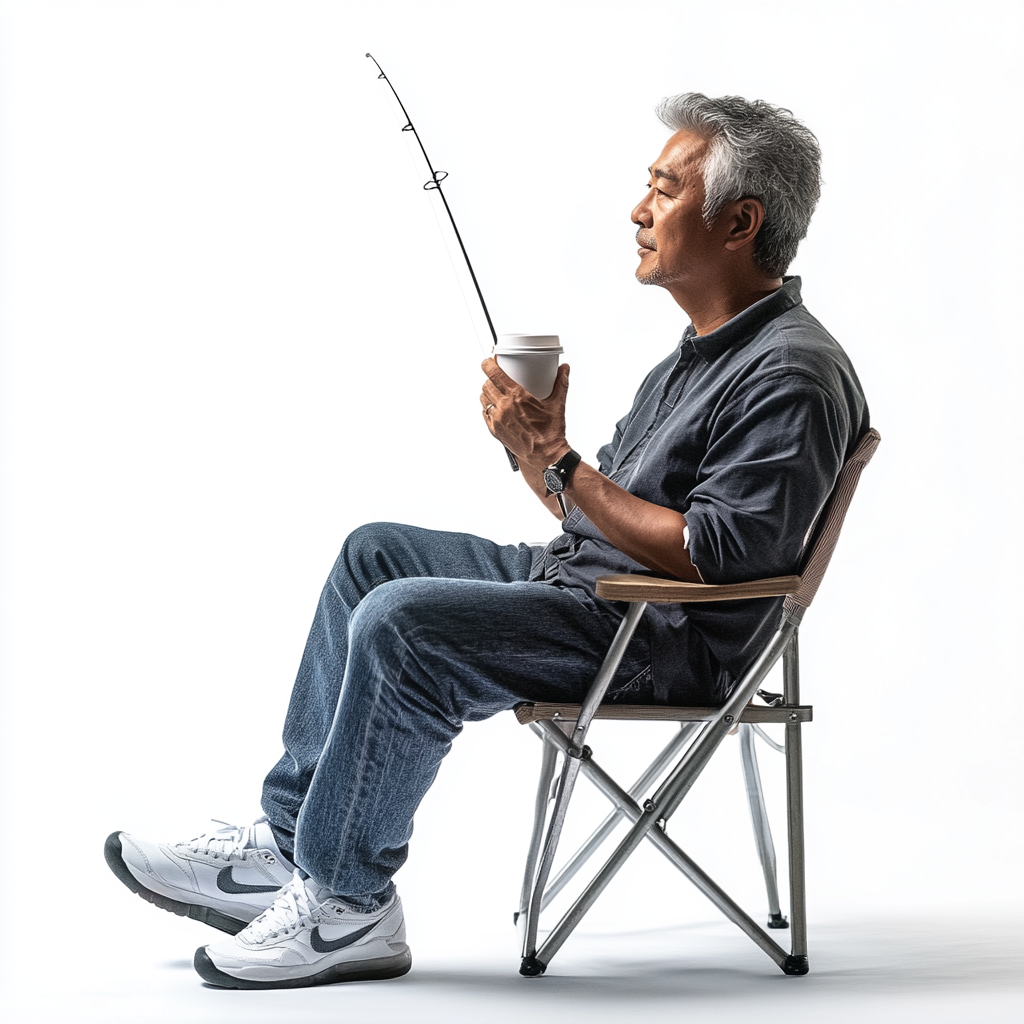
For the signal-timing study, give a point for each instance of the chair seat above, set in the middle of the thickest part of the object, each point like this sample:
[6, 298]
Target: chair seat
[527, 713]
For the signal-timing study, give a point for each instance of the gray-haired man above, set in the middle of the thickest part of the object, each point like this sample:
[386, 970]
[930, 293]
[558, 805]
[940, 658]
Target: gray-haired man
[716, 473]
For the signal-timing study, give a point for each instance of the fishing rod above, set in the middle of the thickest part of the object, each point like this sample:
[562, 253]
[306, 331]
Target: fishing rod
[434, 185]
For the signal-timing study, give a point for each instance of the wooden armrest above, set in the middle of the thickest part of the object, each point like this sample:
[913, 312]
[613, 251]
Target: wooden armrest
[624, 587]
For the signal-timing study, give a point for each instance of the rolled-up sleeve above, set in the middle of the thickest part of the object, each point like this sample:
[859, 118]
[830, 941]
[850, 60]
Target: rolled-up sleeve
[773, 457]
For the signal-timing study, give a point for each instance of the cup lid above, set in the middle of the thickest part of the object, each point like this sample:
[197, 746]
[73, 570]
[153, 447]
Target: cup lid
[528, 341]
[508, 350]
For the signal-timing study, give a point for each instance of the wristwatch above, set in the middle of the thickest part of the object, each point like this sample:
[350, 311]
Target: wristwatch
[557, 476]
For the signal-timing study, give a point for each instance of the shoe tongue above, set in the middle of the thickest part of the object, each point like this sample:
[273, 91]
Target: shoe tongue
[260, 836]
[317, 893]
[321, 894]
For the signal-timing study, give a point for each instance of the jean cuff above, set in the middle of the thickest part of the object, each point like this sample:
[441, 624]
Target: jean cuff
[369, 904]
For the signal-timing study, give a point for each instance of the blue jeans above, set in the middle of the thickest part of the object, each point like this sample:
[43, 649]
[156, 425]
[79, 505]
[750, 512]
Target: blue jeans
[416, 632]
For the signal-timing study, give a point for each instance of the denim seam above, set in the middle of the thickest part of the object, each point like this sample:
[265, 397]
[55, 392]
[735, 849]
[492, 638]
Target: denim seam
[633, 684]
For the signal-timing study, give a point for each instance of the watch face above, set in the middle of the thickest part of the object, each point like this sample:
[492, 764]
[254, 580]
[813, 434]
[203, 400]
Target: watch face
[553, 481]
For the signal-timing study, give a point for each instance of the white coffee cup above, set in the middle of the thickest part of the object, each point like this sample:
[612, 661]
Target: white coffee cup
[531, 360]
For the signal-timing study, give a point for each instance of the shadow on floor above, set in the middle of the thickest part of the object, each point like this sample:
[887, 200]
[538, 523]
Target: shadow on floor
[884, 957]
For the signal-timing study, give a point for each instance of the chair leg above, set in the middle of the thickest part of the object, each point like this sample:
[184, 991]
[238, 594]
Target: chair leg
[797, 962]
[566, 782]
[547, 771]
[575, 753]
[762, 829]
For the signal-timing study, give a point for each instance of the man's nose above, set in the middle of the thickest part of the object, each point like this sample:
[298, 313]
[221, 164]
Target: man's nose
[641, 214]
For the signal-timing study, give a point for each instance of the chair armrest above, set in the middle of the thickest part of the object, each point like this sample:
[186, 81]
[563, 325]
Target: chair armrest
[624, 587]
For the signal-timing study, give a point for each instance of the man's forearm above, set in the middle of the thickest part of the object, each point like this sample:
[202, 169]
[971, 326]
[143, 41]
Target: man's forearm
[649, 534]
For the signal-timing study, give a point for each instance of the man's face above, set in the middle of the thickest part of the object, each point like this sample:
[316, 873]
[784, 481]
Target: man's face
[677, 249]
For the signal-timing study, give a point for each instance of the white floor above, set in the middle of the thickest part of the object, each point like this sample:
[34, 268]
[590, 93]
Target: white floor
[900, 969]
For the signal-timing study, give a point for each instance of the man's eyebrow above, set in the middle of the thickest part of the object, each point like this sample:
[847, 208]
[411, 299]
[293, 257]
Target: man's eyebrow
[660, 173]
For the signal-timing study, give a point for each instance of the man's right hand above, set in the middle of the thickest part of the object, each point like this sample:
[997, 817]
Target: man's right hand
[533, 429]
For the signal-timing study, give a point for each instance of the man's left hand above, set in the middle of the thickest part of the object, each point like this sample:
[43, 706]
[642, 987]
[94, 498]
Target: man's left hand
[533, 429]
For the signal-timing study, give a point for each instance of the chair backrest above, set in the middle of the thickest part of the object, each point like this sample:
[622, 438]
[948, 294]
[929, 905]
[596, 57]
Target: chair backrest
[826, 532]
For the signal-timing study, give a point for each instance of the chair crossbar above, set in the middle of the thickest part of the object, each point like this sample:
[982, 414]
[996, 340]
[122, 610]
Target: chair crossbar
[539, 712]
[605, 829]
[678, 783]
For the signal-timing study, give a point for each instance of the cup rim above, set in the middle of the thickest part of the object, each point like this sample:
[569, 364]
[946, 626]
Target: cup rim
[513, 350]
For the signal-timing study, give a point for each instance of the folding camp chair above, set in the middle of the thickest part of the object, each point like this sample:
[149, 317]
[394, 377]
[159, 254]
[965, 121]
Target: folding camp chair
[563, 729]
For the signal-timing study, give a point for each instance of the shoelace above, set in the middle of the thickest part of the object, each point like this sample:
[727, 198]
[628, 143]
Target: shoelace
[292, 904]
[224, 842]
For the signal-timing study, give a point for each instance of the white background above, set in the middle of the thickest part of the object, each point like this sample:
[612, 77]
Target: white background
[231, 334]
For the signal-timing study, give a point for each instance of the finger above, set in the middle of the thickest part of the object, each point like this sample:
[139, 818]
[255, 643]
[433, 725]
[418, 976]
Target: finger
[501, 380]
[561, 380]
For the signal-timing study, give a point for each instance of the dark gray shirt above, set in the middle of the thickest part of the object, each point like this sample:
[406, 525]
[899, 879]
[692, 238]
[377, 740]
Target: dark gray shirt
[744, 431]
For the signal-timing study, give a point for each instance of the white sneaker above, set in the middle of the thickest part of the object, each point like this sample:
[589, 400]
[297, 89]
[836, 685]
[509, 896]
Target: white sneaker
[223, 878]
[309, 937]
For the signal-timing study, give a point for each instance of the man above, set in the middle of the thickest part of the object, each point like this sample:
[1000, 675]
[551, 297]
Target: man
[717, 474]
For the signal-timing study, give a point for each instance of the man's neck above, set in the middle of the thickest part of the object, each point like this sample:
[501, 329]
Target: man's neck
[714, 307]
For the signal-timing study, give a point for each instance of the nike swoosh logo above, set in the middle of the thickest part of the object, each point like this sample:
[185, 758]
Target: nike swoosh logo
[227, 884]
[331, 946]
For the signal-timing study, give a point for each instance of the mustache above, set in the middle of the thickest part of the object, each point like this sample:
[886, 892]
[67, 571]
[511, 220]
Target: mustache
[646, 240]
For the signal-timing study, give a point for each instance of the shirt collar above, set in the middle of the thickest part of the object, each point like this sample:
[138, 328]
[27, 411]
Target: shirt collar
[746, 324]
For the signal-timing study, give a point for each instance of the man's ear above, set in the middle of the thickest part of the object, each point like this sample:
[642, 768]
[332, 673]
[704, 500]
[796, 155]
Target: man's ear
[742, 219]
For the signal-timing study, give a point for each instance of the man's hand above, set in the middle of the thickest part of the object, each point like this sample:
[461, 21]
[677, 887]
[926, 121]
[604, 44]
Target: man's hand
[533, 429]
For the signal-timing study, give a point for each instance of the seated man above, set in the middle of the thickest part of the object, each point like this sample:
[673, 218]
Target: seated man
[717, 473]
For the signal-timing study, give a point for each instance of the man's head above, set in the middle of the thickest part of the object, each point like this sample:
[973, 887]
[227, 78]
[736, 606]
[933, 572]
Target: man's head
[753, 168]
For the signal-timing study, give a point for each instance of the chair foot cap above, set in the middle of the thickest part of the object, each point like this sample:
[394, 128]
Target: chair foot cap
[796, 965]
[531, 967]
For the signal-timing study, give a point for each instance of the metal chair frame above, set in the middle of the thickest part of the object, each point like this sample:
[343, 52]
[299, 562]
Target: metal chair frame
[563, 729]
[752, 781]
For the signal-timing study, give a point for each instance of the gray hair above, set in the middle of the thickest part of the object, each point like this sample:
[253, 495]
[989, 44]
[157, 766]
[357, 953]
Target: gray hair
[757, 151]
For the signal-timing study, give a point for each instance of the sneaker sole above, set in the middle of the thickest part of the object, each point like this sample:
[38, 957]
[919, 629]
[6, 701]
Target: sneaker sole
[207, 915]
[352, 970]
